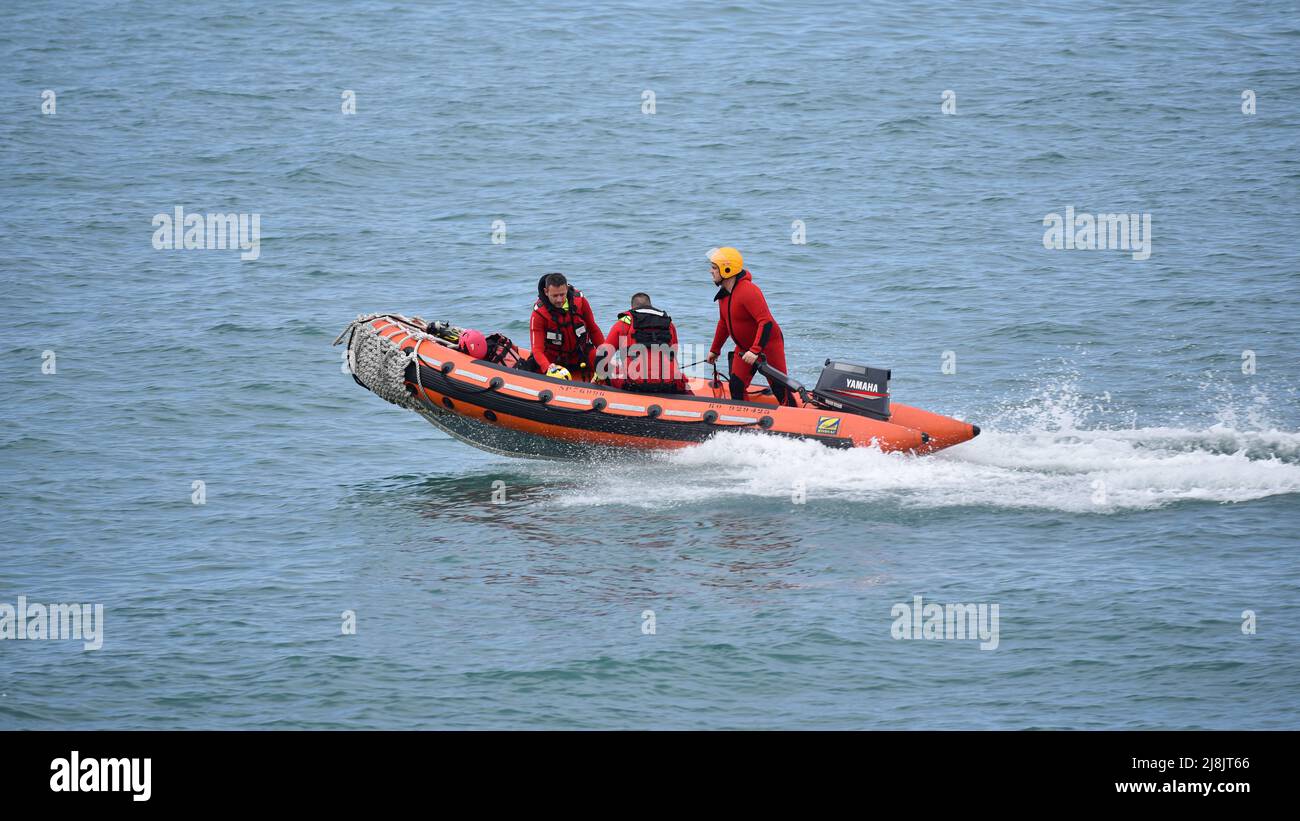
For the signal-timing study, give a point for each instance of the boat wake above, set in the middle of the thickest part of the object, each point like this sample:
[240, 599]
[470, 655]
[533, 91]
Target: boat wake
[1033, 457]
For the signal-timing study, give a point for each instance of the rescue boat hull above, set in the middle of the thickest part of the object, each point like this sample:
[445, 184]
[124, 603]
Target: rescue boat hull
[518, 413]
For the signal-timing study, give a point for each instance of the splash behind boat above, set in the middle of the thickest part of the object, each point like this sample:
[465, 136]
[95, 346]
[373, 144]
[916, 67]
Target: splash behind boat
[516, 412]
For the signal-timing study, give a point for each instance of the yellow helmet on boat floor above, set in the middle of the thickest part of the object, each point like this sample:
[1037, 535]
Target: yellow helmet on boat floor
[558, 372]
[728, 260]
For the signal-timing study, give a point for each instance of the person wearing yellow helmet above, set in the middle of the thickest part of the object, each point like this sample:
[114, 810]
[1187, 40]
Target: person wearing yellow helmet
[743, 316]
[725, 262]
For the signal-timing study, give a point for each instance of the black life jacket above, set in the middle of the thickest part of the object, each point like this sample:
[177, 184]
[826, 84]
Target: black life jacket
[651, 327]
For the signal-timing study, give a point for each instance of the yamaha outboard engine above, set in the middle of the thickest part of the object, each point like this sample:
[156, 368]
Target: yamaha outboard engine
[854, 389]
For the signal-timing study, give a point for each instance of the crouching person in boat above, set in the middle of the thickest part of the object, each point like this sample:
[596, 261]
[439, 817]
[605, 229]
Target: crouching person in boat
[562, 329]
[646, 340]
[743, 316]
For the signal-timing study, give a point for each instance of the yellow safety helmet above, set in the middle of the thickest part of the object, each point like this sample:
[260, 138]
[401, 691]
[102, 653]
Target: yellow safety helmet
[559, 372]
[729, 261]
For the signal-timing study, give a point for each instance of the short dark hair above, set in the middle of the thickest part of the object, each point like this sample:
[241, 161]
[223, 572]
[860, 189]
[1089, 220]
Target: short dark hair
[555, 280]
[641, 300]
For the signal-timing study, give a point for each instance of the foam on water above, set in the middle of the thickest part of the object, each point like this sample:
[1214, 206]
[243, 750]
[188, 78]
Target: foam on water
[1039, 455]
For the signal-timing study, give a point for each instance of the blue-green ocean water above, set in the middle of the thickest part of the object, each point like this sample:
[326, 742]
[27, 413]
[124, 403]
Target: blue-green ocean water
[1133, 493]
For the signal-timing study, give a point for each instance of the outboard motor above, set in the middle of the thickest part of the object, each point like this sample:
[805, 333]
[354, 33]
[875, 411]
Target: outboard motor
[854, 389]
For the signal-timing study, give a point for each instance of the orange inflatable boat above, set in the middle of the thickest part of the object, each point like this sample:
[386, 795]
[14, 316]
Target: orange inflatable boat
[513, 411]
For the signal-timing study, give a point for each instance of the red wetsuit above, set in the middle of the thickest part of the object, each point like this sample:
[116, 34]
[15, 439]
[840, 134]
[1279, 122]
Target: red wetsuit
[744, 316]
[565, 336]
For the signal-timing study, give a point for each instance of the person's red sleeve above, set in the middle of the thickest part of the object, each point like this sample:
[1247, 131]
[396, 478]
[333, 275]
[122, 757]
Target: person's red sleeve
[537, 338]
[616, 332]
[610, 347]
[753, 302]
[719, 337]
[597, 335]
